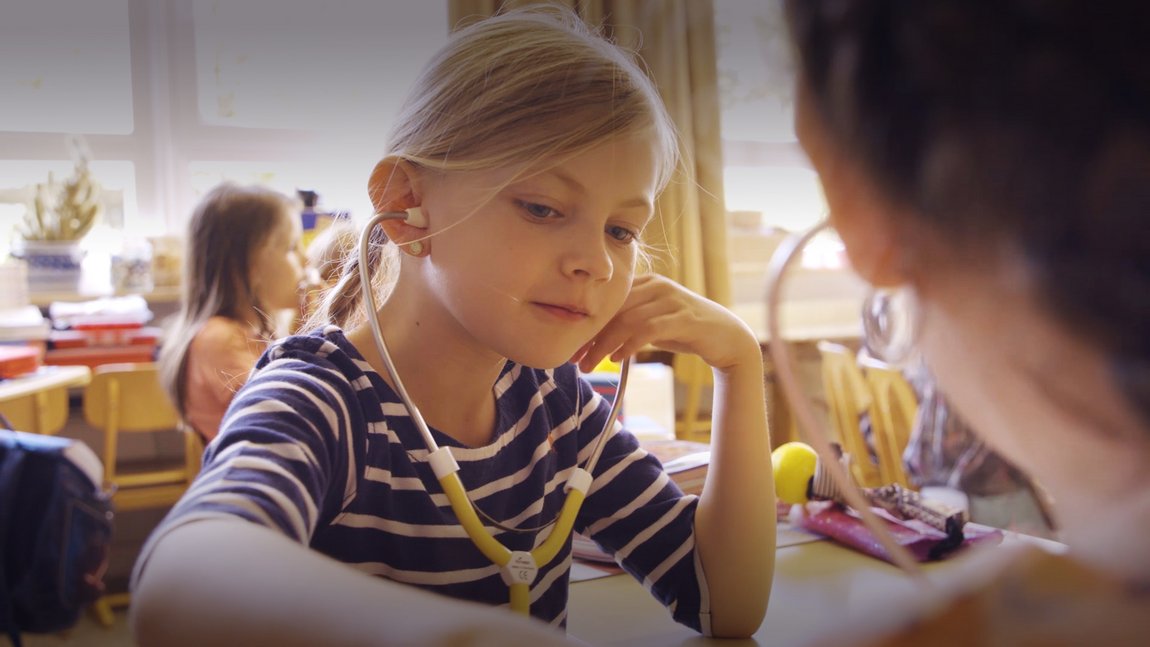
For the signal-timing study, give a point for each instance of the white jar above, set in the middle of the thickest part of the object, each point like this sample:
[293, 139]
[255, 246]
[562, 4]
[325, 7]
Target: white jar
[132, 266]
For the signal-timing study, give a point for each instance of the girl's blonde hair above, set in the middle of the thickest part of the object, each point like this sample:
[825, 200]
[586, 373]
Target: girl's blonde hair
[512, 91]
[227, 229]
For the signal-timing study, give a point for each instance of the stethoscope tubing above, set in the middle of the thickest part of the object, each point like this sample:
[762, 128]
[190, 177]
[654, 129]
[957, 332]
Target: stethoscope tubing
[815, 433]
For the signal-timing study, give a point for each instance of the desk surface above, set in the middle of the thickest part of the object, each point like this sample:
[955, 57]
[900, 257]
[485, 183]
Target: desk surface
[814, 584]
[47, 377]
[811, 581]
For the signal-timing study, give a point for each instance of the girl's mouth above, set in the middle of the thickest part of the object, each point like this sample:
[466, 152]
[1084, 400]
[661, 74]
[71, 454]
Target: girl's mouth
[563, 312]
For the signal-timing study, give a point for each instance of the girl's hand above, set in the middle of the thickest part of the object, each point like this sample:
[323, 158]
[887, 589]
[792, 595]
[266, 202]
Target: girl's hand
[668, 316]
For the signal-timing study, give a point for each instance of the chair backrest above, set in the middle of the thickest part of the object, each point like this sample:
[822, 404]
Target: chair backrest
[42, 412]
[124, 398]
[892, 417]
[695, 376]
[848, 398]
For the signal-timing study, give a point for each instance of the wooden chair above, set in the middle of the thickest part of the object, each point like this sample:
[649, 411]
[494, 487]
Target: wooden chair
[892, 417]
[695, 376]
[848, 398]
[42, 412]
[126, 398]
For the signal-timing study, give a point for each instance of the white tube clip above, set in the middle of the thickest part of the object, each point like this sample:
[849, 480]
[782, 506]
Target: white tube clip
[521, 569]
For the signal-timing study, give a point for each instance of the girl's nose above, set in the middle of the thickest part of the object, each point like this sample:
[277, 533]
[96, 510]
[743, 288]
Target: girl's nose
[588, 257]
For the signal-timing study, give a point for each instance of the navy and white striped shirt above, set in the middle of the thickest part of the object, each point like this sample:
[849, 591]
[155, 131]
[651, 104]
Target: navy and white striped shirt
[318, 446]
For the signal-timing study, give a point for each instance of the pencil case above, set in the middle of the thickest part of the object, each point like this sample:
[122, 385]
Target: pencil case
[834, 521]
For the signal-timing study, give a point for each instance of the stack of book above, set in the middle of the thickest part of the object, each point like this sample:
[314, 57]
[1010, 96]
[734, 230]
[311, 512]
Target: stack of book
[93, 345]
[685, 461]
[16, 360]
[103, 331]
[23, 329]
[23, 325]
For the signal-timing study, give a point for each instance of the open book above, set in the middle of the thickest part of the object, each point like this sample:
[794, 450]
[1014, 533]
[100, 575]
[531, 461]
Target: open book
[685, 462]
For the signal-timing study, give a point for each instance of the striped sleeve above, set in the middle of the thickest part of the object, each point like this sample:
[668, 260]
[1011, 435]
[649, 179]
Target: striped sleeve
[283, 454]
[636, 512]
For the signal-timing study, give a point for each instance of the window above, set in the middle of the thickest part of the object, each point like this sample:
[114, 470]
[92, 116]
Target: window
[770, 188]
[173, 96]
[765, 171]
[65, 66]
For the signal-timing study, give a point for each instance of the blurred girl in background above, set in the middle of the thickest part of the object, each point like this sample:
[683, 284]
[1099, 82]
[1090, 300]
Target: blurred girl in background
[243, 266]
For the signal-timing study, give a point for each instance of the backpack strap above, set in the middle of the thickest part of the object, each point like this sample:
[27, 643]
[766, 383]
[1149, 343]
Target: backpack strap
[10, 469]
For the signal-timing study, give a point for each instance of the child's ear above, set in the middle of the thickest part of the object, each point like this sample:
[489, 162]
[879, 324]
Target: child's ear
[394, 187]
[869, 230]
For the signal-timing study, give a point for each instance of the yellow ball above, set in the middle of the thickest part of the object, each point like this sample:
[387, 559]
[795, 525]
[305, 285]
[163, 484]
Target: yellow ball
[794, 466]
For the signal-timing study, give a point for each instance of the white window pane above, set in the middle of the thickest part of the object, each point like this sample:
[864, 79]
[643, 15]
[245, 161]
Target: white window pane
[790, 198]
[756, 74]
[117, 180]
[205, 175]
[65, 67]
[282, 177]
[306, 65]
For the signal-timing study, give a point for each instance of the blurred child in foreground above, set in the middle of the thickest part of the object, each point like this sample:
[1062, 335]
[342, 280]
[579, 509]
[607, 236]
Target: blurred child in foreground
[993, 158]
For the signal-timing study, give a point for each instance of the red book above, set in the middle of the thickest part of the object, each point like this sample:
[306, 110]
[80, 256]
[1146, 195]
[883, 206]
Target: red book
[90, 337]
[18, 360]
[94, 356]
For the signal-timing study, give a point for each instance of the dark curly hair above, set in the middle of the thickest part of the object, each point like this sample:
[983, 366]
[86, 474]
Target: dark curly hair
[1017, 122]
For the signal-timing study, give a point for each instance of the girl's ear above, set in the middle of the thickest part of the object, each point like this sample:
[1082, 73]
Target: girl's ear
[395, 186]
[868, 223]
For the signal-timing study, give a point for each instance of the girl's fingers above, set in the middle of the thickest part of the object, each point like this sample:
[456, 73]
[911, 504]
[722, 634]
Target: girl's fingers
[628, 332]
[665, 315]
[579, 354]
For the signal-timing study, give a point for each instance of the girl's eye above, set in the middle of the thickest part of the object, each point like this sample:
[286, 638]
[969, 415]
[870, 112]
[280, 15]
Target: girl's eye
[621, 234]
[536, 210]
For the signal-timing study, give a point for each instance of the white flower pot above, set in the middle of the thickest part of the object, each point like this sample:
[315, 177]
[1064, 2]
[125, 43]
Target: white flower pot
[52, 264]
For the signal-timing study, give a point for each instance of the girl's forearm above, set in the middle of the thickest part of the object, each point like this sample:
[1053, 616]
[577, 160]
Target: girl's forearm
[230, 582]
[735, 522]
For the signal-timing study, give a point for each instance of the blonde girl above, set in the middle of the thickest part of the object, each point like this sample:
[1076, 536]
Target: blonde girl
[243, 265]
[534, 151]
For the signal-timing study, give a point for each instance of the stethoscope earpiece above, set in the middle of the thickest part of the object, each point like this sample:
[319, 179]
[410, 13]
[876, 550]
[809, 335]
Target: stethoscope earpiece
[416, 217]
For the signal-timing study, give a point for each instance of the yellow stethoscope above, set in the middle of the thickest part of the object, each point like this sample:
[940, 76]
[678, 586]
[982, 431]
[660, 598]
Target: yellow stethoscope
[518, 568]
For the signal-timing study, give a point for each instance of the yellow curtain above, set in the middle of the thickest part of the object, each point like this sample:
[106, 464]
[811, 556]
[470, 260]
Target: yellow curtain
[676, 40]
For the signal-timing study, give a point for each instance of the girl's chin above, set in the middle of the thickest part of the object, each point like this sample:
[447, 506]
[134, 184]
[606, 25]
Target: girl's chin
[542, 361]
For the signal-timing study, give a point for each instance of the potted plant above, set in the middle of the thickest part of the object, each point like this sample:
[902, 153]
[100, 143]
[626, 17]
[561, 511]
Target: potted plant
[60, 215]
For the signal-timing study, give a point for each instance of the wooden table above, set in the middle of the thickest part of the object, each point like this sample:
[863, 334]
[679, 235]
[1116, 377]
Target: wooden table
[818, 589]
[38, 402]
[47, 377]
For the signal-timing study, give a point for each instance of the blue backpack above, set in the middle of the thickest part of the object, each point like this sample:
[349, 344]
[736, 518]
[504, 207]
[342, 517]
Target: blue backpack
[55, 532]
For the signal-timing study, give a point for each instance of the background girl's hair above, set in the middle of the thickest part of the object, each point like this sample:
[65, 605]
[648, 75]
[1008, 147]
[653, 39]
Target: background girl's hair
[330, 249]
[1017, 124]
[512, 91]
[227, 229]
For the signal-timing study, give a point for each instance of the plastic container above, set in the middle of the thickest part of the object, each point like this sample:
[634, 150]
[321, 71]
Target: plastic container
[132, 266]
